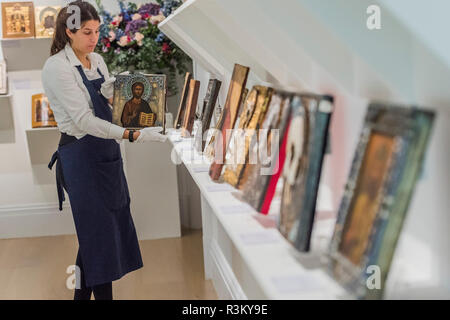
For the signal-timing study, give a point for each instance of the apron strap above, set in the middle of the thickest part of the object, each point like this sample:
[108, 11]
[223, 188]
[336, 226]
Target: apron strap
[83, 75]
[99, 102]
[53, 160]
[101, 75]
[59, 178]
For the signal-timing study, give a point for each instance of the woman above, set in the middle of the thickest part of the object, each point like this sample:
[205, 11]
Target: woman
[89, 163]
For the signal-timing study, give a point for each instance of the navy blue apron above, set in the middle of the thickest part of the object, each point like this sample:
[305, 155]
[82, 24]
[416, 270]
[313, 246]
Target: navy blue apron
[91, 171]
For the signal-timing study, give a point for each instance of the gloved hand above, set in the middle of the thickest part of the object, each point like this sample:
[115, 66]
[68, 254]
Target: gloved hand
[151, 134]
[107, 88]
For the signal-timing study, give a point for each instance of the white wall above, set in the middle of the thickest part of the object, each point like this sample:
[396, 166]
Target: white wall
[429, 20]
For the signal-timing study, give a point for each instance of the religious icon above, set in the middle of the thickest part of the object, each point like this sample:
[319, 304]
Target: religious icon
[231, 110]
[182, 107]
[385, 168]
[18, 19]
[139, 100]
[41, 115]
[305, 150]
[45, 18]
[189, 116]
[209, 102]
[274, 133]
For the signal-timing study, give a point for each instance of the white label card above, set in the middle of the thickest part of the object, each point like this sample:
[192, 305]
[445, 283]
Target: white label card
[300, 283]
[260, 237]
[219, 188]
[201, 169]
[236, 209]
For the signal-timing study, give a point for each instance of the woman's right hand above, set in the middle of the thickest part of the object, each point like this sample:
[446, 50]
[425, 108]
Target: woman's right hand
[151, 134]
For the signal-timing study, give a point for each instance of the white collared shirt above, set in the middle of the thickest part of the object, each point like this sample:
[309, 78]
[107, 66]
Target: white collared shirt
[69, 98]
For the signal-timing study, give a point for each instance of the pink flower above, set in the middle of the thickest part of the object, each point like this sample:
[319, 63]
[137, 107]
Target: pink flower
[157, 19]
[138, 37]
[123, 41]
[136, 16]
[112, 36]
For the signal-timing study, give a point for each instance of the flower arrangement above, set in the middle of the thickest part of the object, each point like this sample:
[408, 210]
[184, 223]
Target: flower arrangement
[131, 41]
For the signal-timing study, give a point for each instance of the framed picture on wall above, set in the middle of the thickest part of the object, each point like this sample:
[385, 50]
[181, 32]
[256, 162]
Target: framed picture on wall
[41, 114]
[139, 101]
[18, 20]
[45, 18]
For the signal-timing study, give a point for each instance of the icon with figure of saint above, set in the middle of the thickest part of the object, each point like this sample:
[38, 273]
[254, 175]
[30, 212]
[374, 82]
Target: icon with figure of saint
[139, 100]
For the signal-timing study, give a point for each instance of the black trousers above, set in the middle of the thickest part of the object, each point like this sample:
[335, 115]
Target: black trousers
[101, 292]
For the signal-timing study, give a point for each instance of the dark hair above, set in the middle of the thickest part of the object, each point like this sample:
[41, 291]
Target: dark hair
[140, 84]
[60, 38]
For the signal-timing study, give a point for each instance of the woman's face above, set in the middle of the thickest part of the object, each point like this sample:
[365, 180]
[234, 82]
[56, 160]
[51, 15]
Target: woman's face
[85, 39]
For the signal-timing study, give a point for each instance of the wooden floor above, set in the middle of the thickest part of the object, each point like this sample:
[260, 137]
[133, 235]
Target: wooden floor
[35, 268]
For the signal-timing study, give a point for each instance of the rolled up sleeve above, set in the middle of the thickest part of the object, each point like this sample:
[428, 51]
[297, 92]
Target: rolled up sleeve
[59, 78]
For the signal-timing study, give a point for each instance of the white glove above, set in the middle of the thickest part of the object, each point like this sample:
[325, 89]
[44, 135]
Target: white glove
[107, 88]
[151, 134]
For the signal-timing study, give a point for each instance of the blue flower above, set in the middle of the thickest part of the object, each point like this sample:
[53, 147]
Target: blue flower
[169, 5]
[160, 37]
[124, 12]
[119, 33]
[104, 30]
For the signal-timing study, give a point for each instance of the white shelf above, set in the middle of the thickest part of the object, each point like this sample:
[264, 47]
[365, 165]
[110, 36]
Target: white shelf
[42, 129]
[16, 52]
[42, 142]
[312, 45]
[197, 33]
[263, 259]
[6, 113]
